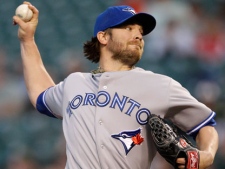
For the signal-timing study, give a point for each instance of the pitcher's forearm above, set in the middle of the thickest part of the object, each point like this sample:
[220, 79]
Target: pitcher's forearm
[207, 142]
[36, 77]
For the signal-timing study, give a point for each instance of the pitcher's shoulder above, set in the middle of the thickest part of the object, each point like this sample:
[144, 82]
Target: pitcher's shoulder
[152, 74]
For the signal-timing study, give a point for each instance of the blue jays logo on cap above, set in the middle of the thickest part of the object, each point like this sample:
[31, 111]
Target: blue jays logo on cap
[117, 15]
[130, 10]
[129, 138]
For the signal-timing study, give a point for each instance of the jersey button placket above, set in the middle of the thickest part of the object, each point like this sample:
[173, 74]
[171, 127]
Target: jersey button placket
[105, 86]
[100, 122]
[101, 141]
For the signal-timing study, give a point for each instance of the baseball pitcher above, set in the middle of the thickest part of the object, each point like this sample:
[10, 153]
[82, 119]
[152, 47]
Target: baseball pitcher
[106, 113]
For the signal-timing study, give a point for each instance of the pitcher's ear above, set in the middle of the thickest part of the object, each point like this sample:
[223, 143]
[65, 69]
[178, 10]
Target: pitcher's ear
[102, 37]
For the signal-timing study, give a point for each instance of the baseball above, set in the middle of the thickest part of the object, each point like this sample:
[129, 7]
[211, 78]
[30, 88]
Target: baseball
[24, 12]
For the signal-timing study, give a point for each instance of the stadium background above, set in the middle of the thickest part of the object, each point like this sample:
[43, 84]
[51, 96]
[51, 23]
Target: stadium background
[188, 44]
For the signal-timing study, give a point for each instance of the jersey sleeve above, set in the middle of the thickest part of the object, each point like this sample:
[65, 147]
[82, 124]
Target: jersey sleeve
[187, 112]
[49, 102]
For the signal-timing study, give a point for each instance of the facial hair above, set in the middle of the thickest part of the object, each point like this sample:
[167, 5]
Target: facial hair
[122, 54]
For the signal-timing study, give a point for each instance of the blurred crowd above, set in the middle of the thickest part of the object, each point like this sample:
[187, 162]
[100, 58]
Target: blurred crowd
[188, 44]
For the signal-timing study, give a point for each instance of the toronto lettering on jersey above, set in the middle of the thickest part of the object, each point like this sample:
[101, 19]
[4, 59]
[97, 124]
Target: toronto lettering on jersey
[103, 99]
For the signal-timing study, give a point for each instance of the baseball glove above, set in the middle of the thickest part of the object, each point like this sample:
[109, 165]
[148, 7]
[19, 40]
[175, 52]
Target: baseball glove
[171, 144]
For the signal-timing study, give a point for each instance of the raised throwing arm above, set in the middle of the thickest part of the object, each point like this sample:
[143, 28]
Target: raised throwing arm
[36, 77]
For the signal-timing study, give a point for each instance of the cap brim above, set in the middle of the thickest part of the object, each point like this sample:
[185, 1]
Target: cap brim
[147, 22]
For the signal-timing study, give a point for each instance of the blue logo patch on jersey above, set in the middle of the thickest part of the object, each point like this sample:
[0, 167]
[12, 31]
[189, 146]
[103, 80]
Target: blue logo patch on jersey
[129, 139]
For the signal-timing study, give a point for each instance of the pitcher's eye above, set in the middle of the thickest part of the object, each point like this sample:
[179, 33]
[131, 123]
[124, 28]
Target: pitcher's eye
[128, 28]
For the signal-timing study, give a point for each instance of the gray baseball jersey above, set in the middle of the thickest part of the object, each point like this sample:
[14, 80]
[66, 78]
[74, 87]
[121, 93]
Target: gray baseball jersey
[105, 116]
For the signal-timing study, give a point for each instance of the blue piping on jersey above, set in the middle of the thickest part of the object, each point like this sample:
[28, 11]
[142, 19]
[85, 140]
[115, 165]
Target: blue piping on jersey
[208, 122]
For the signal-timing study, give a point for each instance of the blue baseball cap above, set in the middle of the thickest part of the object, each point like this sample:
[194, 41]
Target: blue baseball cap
[117, 15]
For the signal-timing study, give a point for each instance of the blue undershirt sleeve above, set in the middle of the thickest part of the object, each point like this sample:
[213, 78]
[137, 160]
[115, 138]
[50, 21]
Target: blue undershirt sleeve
[212, 122]
[42, 107]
